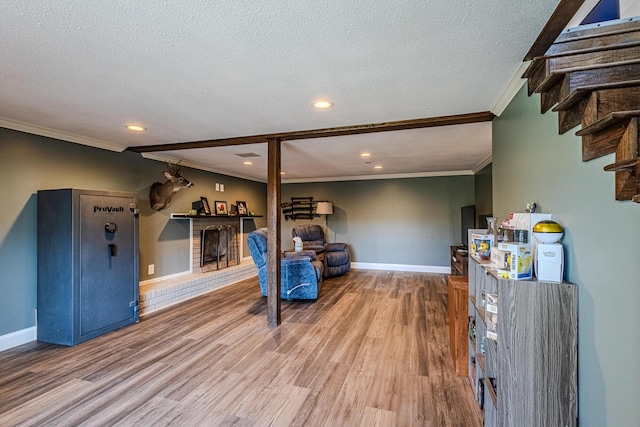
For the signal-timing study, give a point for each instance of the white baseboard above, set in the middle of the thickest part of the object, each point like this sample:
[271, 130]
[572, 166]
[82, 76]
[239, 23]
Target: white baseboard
[17, 338]
[163, 278]
[401, 267]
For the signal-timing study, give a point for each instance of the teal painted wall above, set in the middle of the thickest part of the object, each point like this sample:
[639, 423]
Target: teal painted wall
[484, 194]
[31, 163]
[531, 162]
[410, 221]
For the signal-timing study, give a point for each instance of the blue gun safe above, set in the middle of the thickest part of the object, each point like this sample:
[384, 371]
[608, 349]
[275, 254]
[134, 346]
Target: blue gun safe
[88, 282]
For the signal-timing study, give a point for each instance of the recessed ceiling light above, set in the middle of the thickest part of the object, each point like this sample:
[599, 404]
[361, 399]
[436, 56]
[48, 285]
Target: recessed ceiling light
[377, 167]
[365, 155]
[283, 173]
[322, 104]
[136, 128]
[246, 162]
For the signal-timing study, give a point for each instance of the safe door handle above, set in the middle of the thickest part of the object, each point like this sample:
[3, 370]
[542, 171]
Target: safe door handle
[112, 249]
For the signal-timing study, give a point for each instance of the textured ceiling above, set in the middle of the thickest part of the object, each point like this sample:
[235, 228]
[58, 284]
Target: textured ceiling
[199, 70]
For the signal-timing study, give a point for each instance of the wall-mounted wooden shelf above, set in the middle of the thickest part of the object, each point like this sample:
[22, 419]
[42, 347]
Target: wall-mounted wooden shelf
[186, 215]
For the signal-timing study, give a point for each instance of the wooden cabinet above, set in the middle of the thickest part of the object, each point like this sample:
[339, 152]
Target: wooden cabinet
[459, 261]
[458, 322]
[528, 375]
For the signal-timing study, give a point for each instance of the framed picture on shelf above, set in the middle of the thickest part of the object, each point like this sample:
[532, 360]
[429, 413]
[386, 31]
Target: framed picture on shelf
[205, 206]
[242, 208]
[221, 208]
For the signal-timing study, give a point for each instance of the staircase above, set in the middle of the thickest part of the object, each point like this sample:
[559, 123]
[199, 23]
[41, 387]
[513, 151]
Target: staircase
[590, 76]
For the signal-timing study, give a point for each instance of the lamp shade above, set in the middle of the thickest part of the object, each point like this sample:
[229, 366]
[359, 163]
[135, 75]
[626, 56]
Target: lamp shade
[324, 208]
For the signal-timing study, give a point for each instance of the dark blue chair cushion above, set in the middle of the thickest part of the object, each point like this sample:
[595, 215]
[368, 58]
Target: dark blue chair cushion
[300, 277]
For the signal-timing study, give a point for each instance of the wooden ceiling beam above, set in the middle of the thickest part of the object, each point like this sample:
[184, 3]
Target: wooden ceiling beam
[458, 119]
[565, 11]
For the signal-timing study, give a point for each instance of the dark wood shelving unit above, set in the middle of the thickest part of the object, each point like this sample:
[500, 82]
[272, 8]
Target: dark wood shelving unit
[459, 261]
[299, 208]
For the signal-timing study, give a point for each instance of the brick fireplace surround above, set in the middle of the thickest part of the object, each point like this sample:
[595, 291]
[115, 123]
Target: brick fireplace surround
[158, 294]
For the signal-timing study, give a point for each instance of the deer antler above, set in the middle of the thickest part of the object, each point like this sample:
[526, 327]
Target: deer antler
[174, 168]
[160, 194]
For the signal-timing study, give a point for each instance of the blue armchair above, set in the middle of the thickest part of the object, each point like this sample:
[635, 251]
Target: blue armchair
[301, 273]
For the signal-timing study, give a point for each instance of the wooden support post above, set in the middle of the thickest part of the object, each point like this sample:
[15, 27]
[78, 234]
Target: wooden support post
[274, 317]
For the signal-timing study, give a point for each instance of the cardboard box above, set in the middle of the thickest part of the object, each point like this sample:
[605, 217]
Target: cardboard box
[520, 261]
[500, 258]
[481, 245]
[491, 315]
[549, 262]
[525, 221]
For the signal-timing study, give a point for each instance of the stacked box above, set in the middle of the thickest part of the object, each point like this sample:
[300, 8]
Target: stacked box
[491, 316]
[481, 245]
[519, 261]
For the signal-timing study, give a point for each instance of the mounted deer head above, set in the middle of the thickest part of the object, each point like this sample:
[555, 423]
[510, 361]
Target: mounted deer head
[160, 195]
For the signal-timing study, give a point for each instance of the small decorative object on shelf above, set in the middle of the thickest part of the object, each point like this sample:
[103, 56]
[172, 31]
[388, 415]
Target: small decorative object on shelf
[242, 208]
[221, 208]
[531, 207]
[492, 227]
[480, 394]
[518, 256]
[205, 206]
[472, 327]
[548, 251]
[492, 315]
[481, 245]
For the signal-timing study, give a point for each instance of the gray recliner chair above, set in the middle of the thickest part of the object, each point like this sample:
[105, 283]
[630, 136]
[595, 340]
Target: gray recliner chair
[337, 259]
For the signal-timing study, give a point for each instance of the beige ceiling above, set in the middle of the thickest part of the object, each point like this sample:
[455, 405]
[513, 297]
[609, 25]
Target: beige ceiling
[81, 70]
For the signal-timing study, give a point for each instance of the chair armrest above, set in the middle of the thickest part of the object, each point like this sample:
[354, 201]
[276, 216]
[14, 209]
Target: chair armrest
[301, 269]
[315, 245]
[291, 260]
[297, 254]
[335, 247]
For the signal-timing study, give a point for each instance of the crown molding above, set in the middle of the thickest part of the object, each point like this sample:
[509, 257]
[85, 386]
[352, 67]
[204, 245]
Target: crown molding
[194, 165]
[377, 177]
[483, 164]
[56, 134]
[511, 90]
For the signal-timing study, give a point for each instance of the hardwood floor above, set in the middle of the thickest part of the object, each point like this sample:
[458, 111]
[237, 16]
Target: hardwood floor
[371, 351]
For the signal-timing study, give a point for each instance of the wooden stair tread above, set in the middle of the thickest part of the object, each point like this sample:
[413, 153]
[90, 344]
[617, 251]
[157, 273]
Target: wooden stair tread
[583, 91]
[608, 121]
[543, 73]
[533, 67]
[624, 165]
[555, 75]
[549, 82]
[573, 69]
[591, 49]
